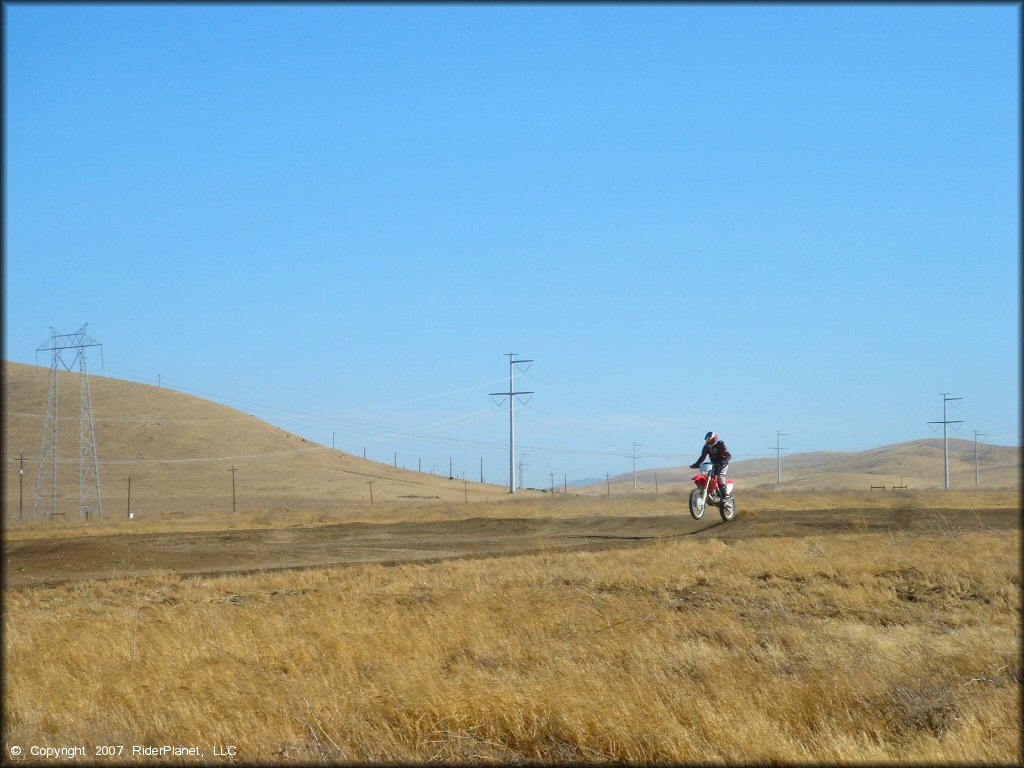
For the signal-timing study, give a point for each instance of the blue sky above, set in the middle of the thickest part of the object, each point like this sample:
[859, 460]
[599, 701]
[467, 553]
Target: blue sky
[745, 218]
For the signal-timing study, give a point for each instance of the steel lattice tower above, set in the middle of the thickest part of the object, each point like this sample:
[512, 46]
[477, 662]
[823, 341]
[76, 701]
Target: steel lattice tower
[90, 499]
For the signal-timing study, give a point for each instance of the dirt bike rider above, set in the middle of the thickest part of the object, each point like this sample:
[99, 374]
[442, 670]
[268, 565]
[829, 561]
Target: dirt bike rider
[715, 450]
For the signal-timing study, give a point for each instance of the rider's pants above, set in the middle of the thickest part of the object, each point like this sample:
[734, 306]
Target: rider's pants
[719, 470]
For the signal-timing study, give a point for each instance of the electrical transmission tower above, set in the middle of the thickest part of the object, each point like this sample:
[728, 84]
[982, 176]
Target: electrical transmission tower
[778, 452]
[511, 395]
[977, 476]
[945, 438]
[522, 473]
[89, 498]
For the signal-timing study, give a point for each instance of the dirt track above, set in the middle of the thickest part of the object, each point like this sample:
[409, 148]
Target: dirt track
[48, 561]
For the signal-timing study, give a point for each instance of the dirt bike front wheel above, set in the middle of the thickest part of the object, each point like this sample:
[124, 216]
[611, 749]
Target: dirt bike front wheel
[728, 509]
[697, 503]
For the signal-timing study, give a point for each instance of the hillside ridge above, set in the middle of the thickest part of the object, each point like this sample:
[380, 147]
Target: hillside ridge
[179, 449]
[915, 463]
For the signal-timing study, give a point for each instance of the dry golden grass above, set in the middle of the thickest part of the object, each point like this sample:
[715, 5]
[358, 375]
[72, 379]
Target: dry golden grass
[857, 647]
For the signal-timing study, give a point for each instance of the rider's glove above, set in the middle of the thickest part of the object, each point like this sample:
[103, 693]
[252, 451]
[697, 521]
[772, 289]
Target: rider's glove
[694, 466]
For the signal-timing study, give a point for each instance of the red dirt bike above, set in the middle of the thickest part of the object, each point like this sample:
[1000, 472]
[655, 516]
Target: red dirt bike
[709, 493]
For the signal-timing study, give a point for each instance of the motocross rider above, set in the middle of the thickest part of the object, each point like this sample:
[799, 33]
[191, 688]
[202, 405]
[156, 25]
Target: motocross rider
[715, 450]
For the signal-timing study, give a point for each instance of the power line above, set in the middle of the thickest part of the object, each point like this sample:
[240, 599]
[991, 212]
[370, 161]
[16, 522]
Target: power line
[154, 420]
[573, 424]
[648, 418]
[388, 432]
[356, 426]
[191, 460]
[381, 432]
[557, 421]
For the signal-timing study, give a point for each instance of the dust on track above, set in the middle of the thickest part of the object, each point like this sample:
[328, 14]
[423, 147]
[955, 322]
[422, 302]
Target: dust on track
[38, 562]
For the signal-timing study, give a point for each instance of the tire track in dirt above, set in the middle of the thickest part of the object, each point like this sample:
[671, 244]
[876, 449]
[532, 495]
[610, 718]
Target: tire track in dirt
[49, 561]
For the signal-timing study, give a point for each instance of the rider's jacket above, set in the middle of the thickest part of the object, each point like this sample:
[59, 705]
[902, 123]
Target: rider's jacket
[717, 453]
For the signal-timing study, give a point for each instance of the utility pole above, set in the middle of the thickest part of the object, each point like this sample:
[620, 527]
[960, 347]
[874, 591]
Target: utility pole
[977, 434]
[481, 470]
[635, 446]
[511, 395]
[21, 482]
[232, 471]
[778, 452]
[450, 473]
[552, 473]
[370, 483]
[608, 484]
[945, 438]
[129, 510]
[332, 441]
[522, 463]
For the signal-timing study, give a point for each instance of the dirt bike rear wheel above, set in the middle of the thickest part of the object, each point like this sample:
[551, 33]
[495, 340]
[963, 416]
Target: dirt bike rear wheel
[728, 509]
[697, 503]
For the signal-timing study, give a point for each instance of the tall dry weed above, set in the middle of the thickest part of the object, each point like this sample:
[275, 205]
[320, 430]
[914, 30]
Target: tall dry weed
[845, 648]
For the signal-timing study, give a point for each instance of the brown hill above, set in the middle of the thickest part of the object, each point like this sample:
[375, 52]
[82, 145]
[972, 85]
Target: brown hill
[179, 450]
[918, 464]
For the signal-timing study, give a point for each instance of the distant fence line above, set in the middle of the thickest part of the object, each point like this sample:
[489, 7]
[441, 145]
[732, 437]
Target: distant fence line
[374, 476]
[175, 461]
[155, 420]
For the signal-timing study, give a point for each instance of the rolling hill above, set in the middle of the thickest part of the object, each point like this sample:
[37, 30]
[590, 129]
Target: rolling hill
[179, 450]
[918, 464]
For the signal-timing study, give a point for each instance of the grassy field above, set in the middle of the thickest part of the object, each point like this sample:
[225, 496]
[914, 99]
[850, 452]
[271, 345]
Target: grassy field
[849, 648]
